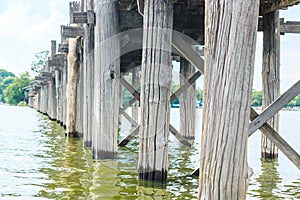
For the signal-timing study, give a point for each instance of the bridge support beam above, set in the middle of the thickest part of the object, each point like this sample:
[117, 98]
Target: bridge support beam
[106, 80]
[156, 78]
[270, 76]
[187, 102]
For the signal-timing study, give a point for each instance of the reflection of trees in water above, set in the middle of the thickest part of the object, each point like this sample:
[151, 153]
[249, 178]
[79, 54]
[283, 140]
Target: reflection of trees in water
[268, 179]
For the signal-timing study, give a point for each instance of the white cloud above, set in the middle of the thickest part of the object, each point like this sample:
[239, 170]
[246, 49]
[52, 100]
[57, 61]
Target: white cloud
[28, 30]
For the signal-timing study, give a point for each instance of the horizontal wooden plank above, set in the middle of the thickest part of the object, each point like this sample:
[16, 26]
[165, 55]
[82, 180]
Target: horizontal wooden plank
[56, 62]
[71, 31]
[41, 78]
[79, 17]
[63, 48]
[83, 17]
[275, 107]
[285, 27]
[46, 74]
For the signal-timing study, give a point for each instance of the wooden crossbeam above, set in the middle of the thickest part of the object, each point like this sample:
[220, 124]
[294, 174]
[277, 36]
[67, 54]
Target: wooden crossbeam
[272, 6]
[290, 27]
[132, 121]
[63, 48]
[184, 87]
[130, 103]
[176, 94]
[187, 52]
[136, 94]
[46, 74]
[56, 62]
[135, 131]
[71, 31]
[83, 17]
[129, 137]
[42, 78]
[275, 107]
[285, 27]
[272, 135]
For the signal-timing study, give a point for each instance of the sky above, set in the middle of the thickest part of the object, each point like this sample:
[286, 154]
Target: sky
[28, 26]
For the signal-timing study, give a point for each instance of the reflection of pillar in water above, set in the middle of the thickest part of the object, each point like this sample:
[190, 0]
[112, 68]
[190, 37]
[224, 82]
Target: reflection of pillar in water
[105, 183]
[268, 179]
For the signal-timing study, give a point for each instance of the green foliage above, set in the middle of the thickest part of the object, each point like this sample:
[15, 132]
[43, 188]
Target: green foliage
[6, 78]
[173, 90]
[4, 74]
[294, 102]
[199, 94]
[22, 103]
[256, 98]
[14, 93]
[40, 61]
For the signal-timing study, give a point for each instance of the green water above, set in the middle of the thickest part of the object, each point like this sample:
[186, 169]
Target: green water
[38, 162]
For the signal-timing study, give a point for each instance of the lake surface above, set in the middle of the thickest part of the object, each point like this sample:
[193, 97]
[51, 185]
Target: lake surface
[38, 162]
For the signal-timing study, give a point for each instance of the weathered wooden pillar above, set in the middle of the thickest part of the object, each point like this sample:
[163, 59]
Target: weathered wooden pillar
[58, 94]
[79, 100]
[156, 79]
[106, 80]
[187, 102]
[136, 82]
[270, 76]
[64, 92]
[73, 69]
[52, 96]
[230, 39]
[88, 67]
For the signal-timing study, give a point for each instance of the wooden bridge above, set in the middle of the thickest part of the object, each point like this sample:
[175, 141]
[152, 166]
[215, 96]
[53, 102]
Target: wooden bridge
[80, 84]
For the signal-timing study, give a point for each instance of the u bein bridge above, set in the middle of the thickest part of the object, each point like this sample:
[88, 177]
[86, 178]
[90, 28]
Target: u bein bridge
[80, 85]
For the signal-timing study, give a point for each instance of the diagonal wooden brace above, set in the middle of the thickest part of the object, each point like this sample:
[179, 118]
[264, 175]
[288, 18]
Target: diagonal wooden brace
[273, 136]
[274, 108]
[136, 129]
[282, 145]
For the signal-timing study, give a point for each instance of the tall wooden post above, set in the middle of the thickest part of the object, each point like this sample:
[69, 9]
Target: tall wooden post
[88, 66]
[73, 69]
[64, 92]
[106, 80]
[230, 39]
[156, 78]
[136, 81]
[187, 102]
[52, 96]
[271, 76]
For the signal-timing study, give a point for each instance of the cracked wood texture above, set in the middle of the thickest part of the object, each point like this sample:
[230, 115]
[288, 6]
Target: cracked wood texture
[187, 101]
[136, 82]
[156, 78]
[270, 77]
[73, 69]
[88, 66]
[230, 39]
[106, 80]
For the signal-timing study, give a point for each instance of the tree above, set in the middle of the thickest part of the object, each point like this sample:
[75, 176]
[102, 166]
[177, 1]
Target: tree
[40, 61]
[4, 74]
[256, 98]
[3, 85]
[6, 78]
[14, 93]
